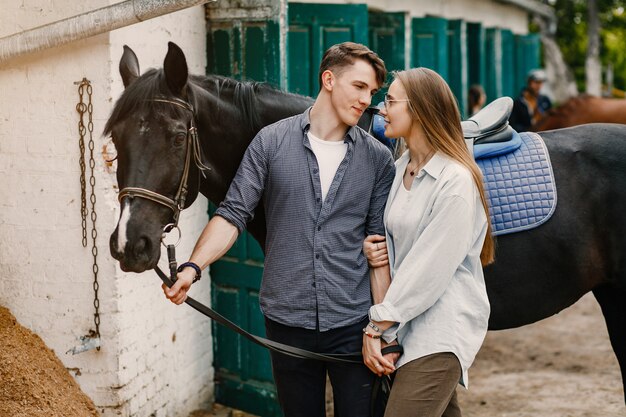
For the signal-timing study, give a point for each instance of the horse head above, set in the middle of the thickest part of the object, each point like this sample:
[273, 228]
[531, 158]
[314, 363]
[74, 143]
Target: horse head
[153, 129]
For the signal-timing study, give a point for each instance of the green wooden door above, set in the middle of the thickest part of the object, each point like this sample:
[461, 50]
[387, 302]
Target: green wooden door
[430, 44]
[386, 38]
[493, 64]
[457, 62]
[313, 28]
[245, 50]
[508, 63]
[475, 54]
[527, 57]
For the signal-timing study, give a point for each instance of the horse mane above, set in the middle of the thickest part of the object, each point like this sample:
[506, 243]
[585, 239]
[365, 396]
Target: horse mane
[151, 84]
[244, 97]
[139, 94]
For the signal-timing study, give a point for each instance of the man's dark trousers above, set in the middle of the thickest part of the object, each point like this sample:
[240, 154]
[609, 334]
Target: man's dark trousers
[301, 382]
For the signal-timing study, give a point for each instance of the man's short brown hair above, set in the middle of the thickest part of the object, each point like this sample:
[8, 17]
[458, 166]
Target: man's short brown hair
[341, 55]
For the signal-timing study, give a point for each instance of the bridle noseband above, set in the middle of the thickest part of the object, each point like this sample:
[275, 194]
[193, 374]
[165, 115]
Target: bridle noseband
[192, 151]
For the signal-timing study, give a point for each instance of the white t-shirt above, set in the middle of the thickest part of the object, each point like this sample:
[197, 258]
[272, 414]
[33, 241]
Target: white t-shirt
[329, 155]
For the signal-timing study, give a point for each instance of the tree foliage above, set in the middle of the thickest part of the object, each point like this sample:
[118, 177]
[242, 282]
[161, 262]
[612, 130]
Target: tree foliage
[571, 36]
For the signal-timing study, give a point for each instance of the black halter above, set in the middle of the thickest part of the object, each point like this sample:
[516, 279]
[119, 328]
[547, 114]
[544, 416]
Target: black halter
[192, 151]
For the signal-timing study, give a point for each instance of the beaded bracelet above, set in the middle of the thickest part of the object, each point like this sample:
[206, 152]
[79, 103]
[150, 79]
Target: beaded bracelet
[195, 268]
[371, 335]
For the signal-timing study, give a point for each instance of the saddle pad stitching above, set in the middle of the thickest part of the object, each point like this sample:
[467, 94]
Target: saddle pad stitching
[537, 185]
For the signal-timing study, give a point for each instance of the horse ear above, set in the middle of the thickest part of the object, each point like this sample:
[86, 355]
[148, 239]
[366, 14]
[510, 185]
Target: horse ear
[129, 66]
[175, 67]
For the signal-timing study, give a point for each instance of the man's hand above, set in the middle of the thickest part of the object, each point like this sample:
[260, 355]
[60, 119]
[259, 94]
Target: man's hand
[375, 249]
[391, 357]
[178, 293]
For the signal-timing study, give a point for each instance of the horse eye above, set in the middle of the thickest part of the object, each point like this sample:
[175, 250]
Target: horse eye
[180, 138]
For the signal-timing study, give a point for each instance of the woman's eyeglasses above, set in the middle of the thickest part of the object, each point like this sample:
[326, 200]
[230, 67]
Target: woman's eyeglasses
[391, 100]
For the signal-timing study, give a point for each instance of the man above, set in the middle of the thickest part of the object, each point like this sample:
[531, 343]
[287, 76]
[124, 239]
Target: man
[530, 107]
[324, 183]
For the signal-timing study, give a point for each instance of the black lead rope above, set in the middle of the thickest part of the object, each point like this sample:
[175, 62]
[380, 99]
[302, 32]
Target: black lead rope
[267, 343]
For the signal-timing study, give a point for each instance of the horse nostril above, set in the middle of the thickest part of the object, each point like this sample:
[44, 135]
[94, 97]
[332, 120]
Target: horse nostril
[142, 247]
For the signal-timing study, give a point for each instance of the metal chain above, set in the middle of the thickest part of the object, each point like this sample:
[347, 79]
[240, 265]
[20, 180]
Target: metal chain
[83, 108]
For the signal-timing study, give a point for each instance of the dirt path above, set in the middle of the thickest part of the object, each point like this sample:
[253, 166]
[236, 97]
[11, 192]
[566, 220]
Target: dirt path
[560, 367]
[33, 381]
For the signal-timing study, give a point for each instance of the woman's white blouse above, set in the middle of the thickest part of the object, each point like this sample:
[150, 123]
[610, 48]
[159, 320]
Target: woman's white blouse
[435, 233]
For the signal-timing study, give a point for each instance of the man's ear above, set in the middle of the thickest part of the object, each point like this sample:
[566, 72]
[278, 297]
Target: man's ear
[328, 80]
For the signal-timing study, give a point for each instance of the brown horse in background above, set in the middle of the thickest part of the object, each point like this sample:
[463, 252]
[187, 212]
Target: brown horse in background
[585, 109]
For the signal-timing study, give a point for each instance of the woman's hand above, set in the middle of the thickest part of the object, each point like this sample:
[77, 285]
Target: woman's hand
[373, 359]
[375, 250]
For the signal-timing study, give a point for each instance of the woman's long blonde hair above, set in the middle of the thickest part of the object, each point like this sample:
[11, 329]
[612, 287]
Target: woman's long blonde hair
[433, 105]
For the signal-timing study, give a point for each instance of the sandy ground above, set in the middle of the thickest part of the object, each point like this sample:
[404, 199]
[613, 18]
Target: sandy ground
[33, 381]
[560, 367]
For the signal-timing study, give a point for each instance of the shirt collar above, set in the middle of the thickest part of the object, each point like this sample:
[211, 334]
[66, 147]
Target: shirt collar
[435, 165]
[305, 124]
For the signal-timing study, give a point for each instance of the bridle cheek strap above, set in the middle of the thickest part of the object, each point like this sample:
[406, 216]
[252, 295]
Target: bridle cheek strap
[192, 152]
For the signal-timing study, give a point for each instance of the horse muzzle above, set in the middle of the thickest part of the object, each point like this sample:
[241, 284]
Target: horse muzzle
[137, 254]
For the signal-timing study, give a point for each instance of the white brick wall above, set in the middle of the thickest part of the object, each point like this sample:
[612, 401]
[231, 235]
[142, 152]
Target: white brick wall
[45, 273]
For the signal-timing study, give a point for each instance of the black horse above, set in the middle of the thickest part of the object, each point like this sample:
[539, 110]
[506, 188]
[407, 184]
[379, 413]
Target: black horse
[537, 273]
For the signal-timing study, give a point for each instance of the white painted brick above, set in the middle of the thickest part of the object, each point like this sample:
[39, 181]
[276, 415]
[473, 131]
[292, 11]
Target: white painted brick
[40, 225]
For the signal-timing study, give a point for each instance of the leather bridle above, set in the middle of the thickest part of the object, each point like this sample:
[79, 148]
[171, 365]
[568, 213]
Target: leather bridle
[192, 151]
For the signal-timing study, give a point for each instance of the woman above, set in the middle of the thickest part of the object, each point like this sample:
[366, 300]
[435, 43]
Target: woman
[438, 239]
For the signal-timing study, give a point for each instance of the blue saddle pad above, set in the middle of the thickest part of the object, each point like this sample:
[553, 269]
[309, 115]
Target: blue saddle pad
[520, 186]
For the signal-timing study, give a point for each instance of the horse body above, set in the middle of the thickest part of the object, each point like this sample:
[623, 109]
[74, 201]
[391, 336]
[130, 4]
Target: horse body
[537, 273]
[582, 246]
[585, 109]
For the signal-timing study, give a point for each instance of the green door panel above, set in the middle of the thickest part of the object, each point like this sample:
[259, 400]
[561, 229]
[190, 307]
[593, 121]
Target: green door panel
[527, 57]
[313, 28]
[300, 45]
[475, 54]
[244, 50]
[457, 62]
[493, 64]
[243, 375]
[508, 63]
[386, 38]
[430, 44]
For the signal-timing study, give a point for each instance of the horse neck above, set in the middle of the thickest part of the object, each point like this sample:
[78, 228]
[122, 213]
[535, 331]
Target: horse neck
[275, 105]
[226, 129]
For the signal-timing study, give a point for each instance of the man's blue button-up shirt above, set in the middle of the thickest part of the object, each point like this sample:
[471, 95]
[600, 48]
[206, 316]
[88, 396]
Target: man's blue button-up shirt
[315, 268]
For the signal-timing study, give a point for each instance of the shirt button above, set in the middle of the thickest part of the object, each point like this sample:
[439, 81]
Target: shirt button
[319, 228]
[313, 285]
[315, 171]
[319, 199]
[317, 256]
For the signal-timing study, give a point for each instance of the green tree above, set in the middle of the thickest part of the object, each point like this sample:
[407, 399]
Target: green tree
[572, 36]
